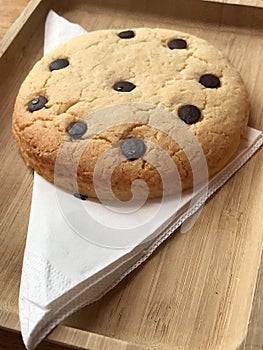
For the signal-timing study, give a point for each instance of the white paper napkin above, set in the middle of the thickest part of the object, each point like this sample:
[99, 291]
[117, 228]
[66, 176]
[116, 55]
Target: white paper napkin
[77, 250]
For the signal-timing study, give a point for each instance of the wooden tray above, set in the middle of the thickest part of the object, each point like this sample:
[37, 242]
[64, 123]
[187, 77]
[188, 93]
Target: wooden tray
[200, 290]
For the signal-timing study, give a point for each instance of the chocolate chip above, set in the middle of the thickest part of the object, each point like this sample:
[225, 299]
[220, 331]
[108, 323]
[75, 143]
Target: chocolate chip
[133, 148]
[124, 86]
[177, 44]
[127, 34]
[210, 81]
[77, 129]
[59, 64]
[189, 114]
[38, 103]
[80, 196]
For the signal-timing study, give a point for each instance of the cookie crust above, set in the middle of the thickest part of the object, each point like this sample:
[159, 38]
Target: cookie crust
[163, 77]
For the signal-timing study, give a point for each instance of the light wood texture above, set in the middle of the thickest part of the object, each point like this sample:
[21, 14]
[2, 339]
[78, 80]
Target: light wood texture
[10, 10]
[256, 3]
[197, 290]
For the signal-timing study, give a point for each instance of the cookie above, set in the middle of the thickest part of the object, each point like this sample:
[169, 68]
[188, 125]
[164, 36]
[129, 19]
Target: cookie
[128, 94]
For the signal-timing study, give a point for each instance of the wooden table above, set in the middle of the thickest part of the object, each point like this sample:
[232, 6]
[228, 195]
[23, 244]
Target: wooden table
[10, 10]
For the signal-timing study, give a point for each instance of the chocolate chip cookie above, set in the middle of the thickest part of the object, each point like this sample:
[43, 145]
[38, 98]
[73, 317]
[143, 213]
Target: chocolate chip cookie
[96, 95]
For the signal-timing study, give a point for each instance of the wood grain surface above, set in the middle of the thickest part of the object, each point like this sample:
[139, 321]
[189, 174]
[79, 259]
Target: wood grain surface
[9, 12]
[202, 301]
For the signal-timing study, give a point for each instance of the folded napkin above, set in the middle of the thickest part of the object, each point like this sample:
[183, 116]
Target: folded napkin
[66, 267]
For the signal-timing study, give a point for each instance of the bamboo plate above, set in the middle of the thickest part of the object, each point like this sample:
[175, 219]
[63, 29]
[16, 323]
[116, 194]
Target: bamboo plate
[199, 290]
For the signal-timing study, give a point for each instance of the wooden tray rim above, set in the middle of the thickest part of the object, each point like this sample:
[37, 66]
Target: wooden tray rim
[65, 335]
